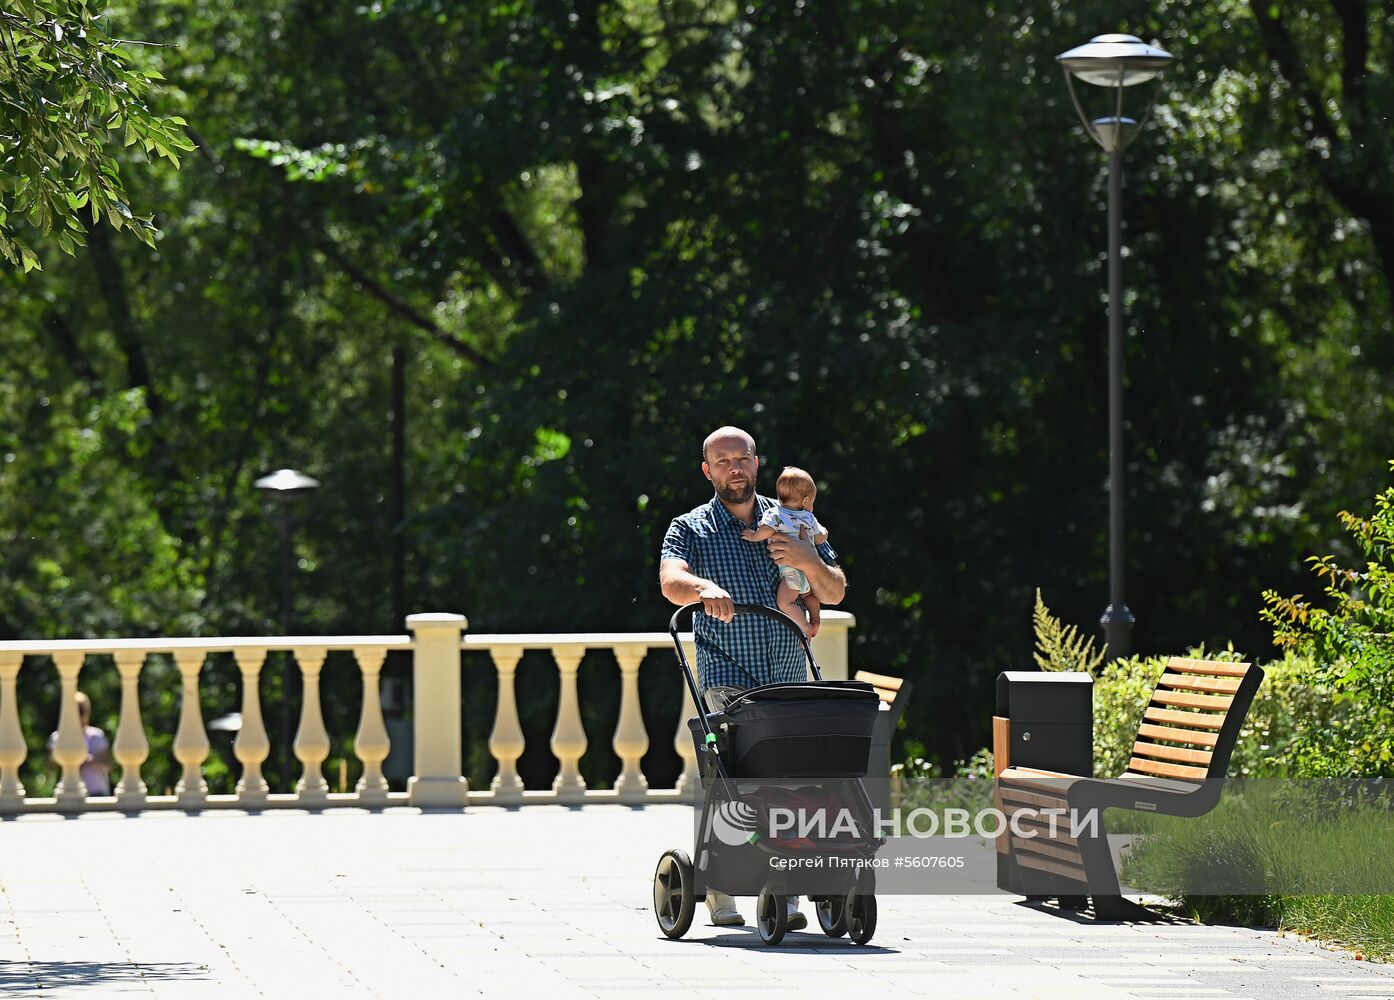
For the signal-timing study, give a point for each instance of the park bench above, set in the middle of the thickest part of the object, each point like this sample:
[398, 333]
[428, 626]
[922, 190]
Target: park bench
[894, 693]
[1177, 768]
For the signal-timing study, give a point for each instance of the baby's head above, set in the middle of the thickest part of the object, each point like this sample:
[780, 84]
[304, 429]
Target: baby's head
[796, 489]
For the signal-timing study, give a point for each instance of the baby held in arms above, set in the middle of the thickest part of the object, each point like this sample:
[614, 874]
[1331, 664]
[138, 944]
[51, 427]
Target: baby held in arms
[796, 492]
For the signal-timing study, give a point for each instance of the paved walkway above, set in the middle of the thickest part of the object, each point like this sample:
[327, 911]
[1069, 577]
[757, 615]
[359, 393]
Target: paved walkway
[543, 901]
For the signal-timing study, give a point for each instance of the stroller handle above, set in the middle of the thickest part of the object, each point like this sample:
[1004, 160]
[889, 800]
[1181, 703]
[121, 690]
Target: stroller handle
[742, 609]
[687, 610]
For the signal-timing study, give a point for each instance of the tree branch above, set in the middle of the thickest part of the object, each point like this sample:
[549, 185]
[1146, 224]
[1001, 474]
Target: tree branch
[1282, 50]
[401, 307]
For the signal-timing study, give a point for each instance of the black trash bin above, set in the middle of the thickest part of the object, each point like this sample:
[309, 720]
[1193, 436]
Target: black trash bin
[1048, 722]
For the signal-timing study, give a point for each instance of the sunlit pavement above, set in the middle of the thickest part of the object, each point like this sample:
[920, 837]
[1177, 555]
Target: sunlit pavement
[541, 901]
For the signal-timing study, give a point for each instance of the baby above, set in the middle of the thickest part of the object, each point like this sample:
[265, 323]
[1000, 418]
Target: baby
[796, 492]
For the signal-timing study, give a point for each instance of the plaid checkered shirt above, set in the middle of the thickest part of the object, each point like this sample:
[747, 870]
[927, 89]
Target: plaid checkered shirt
[749, 650]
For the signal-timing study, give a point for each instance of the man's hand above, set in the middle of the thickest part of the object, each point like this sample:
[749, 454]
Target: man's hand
[786, 550]
[716, 602]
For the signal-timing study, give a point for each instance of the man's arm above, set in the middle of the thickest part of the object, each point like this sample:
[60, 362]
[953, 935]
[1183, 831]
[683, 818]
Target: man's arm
[829, 583]
[682, 586]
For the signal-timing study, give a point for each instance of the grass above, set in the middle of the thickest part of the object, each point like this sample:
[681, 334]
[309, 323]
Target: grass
[1295, 856]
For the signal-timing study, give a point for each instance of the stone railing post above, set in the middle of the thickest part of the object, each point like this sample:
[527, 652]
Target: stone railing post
[190, 739]
[631, 740]
[569, 734]
[70, 750]
[252, 746]
[438, 780]
[311, 739]
[371, 742]
[506, 742]
[12, 747]
[131, 747]
[830, 645]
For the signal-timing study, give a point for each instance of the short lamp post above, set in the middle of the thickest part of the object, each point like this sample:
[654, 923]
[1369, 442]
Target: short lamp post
[1114, 62]
[285, 487]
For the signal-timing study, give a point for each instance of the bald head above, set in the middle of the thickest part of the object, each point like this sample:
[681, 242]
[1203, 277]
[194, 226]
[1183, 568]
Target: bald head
[728, 437]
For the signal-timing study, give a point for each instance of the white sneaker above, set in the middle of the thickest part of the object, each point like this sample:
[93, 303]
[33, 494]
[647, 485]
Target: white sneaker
[796, 921]
[723, 910]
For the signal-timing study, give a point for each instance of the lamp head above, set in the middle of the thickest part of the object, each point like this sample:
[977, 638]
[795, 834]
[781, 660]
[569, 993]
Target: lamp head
[286, 485]
[1115, 61]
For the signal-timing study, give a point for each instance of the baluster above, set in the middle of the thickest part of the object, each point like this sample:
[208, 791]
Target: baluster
[311, 738]
[506, 742]
[569, 736]
[70, 751]
[683, 739]
[131, 747]
[252, 746]
[631, 740]
[190, 739]
[371, 742]
[12, 746]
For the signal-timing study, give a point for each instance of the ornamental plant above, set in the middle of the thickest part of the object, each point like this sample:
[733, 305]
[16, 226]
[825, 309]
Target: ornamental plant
[1351, 644]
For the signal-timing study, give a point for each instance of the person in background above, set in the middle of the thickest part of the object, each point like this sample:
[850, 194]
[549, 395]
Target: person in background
[96, 769]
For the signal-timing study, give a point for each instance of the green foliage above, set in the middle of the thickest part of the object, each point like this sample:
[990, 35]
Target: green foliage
[65, 86]
[1312, 875]
[1061, 647]
[591, 232]
[1351, 645]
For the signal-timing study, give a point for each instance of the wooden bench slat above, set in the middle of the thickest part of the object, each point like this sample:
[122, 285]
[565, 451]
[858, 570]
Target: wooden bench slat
[879, 680]
[1028, 860]
[1042, 823]
[1014, 798]
[1202, 720]
[1191, 700]
[1048, 848]
[1215, 668]
[1192, 736]
[1141, 765]
[1159, 751]
[1213, 685]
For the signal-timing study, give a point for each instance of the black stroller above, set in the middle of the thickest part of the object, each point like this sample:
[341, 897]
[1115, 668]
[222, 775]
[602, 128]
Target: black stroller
[751, 753]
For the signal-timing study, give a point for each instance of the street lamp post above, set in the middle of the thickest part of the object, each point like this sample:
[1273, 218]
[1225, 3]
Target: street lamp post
[285, 487]
[1115, 62]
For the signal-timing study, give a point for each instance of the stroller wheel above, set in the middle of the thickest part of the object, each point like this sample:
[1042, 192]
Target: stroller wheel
[771, 917]
[861, 916]
[832, 915]
[674, 896]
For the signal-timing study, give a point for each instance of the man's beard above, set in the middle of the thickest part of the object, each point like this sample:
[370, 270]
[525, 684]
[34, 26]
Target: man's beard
[737, 495]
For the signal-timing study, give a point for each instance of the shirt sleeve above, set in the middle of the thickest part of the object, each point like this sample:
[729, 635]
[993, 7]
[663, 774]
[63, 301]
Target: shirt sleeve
[771, 518]
[678, 543]
[828, 554]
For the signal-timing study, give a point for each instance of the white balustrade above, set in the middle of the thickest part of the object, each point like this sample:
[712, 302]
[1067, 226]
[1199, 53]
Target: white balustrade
[131, 747]
[371, 742]
[631, 740]
[12, 747]
[190, 739]
[70, 749]
[252, 746]
[311, 738]
[437, 776]
[569, 735]
[506, 742]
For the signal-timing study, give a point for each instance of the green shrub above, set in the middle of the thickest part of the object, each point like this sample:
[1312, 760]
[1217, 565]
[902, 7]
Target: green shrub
[1351, 649]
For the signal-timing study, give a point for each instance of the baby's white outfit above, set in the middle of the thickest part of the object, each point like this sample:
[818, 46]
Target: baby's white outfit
[787, 521]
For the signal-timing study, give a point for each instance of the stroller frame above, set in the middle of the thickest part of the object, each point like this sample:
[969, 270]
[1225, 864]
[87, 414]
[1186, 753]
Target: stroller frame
[845, 901]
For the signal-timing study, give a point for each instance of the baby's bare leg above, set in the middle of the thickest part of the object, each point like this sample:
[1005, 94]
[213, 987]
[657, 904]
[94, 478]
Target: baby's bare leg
[815, 613]
[788, 600]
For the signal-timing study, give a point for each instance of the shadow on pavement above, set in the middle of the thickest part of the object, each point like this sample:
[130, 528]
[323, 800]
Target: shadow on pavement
[26, 977]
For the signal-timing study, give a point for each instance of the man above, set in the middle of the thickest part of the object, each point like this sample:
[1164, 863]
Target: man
[705, 559]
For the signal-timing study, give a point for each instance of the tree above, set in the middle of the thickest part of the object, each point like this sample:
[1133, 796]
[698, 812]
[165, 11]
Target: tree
[65, 87]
